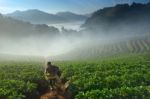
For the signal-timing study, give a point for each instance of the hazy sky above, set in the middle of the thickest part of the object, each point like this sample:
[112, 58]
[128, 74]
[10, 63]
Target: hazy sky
[53, 6]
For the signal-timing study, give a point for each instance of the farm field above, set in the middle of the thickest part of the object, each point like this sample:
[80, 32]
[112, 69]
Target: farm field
[121, 77]
[19, 80]
[75, 49]
[98, 50]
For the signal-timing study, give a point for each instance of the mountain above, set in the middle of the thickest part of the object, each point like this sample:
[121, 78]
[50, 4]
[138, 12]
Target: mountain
[36, 17]
[88, 15]
[72, 16]
[122, 18]
[10, 27]
[39, 17]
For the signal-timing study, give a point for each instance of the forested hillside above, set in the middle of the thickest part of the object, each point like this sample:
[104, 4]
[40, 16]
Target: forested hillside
[15, 28]
[121, 19]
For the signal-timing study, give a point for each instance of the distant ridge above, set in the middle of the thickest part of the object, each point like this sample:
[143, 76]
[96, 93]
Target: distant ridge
[72, 16]
[10, 27]
[122, 18]
[39, 17]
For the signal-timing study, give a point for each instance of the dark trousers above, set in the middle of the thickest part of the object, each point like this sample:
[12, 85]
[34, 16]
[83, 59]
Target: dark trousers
[52, 83]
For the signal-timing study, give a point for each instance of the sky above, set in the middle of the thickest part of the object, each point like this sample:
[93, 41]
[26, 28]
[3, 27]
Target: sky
[54, 6]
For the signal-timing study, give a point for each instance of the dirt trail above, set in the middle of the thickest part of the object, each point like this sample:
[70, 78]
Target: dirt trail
[60, 92]
[60, 86]
[52, 95]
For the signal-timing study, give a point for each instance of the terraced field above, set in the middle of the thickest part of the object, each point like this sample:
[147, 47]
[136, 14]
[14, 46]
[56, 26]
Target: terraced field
[111, 48]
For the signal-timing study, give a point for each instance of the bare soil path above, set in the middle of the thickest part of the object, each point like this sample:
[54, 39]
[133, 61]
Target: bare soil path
[52, 95]
[60, 92]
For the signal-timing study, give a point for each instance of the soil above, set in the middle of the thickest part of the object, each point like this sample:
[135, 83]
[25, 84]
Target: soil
[54, 94]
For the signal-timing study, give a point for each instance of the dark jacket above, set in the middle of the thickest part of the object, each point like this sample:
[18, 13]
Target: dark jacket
[53, 70]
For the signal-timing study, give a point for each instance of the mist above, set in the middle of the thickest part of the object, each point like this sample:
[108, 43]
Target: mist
[108, 26]
[46, 46]
[34, 46]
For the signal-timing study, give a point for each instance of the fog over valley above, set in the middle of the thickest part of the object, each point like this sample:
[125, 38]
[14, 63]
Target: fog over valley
[74, 49]
[37, 33]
